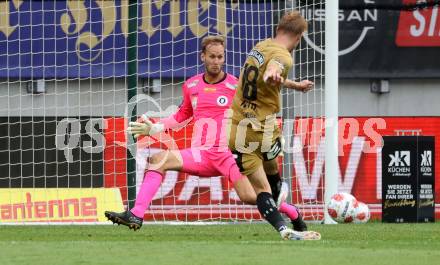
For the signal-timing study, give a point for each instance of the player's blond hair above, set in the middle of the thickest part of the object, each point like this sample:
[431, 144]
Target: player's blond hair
[292, 22]
[212, 39]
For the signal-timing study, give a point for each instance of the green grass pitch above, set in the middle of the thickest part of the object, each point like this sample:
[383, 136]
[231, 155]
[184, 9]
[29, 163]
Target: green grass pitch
[373, 243]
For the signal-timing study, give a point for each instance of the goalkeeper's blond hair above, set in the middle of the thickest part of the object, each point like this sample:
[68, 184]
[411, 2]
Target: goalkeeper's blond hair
[212, 39]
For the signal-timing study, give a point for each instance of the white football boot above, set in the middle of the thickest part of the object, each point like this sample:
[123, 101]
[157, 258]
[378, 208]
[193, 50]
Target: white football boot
[290, 234]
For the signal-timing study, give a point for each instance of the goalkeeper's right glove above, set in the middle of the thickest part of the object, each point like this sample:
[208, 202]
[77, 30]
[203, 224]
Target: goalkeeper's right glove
[145, 128]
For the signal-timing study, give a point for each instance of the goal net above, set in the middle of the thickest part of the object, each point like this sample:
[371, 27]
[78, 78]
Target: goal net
[73, 73]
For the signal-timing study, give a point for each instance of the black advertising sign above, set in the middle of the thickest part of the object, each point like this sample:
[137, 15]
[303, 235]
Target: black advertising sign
[426, 194]
[408, 179]
[399, 180]
[377, 39]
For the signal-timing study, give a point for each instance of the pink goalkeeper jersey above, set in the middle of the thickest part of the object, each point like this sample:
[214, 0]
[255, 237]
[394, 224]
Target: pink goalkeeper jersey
[207, 105]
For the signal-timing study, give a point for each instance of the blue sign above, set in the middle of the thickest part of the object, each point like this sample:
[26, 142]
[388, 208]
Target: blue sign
[88, 39]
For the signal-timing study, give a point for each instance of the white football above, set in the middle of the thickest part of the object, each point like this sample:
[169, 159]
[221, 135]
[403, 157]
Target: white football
[361, 213]
[341, 207]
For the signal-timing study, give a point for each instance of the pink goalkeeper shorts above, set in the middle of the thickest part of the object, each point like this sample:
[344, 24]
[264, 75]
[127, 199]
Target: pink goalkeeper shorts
[210, 163]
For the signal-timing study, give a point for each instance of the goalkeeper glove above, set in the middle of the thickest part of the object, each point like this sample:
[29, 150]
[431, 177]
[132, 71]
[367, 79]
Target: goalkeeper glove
[145, 128]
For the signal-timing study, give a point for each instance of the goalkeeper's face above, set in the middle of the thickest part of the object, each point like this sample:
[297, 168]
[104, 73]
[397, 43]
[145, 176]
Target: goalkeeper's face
[214, 59]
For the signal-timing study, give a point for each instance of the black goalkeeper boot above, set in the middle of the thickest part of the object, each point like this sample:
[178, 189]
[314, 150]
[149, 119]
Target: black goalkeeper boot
[299, 224]
[125, 218]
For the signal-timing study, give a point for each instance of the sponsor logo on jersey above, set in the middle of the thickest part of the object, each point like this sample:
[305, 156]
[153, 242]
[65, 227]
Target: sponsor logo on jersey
[222, 101]
[210, 89]
[257, 55]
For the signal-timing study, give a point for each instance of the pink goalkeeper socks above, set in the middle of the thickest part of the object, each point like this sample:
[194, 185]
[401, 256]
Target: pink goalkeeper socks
[289, 210]
[150, 186]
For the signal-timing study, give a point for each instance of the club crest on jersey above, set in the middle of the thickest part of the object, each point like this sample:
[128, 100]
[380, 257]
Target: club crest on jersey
[257, 55]
[222, 101]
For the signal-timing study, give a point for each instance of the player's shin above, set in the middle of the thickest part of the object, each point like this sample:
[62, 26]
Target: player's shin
[268, 209]
[150, 186]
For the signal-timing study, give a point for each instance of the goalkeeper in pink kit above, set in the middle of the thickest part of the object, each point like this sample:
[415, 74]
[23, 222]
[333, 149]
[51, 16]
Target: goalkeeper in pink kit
[206, 100]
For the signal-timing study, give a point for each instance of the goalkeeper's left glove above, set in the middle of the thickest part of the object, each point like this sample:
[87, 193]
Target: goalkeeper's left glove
[145, 128]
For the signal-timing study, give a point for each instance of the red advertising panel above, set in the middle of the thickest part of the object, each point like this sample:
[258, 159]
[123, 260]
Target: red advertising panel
[419, 27]
[186, 197]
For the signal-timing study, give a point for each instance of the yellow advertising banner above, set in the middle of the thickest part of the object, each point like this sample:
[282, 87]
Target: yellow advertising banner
[58, 205]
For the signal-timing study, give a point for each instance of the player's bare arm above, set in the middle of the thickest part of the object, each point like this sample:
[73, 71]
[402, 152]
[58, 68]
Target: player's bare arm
[273, 73]
[303, 86]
